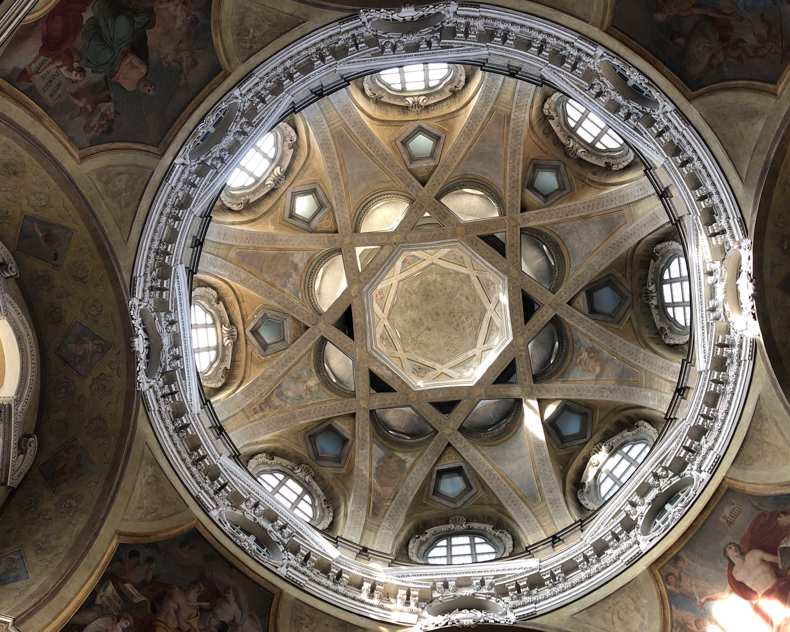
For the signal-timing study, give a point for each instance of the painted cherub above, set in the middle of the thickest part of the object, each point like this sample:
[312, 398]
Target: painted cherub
[667, 8]
[226, 610]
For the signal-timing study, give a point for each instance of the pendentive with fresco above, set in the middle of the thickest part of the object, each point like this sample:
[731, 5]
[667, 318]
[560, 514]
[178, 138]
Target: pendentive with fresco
[453, 318]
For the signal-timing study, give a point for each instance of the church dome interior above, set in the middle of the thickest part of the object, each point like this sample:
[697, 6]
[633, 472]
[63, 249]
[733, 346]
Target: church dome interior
[358, 316]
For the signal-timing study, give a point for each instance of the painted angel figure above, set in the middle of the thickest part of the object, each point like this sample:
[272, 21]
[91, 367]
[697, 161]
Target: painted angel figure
[754, 570]
[230, 610]
[110, 624]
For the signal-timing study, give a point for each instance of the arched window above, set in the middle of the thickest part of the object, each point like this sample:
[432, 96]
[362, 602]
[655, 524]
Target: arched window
[382, 213]
[585, 134]
[326, 280]
[548, 350]
[541, 258]
[334, 369]
[676, 291]
[591, 128]
[212, 337]
[620, 466]
[662, 517]
[613, 462]
[401, 425]
[461, 549]
[668, 292]
[490, 419]
[294, 487]
[415, 77]
[460, 542]
[255, 163]
[261, 169]
[290, 493]
[205, 341]
[416, 85]
[471, 200]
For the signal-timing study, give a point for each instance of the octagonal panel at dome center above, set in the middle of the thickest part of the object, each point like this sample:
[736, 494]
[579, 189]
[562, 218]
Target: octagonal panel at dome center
[437, 314]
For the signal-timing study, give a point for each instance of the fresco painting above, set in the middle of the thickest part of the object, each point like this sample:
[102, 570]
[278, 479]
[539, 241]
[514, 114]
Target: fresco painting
[114, 70]
[590, 362]
[300, 386]
[177, 585]
[705, 42]
[284, 270]
[44, 240]
[305, 618]
[12, 568]
[733, 572]
[66, 466]
[388, 470]
[82, 349]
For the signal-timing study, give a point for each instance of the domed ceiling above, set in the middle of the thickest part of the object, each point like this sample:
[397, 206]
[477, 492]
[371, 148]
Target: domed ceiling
[439, 316]
[442, 315]
[448, 362]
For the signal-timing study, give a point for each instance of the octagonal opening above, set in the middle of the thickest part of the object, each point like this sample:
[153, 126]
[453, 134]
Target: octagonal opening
[438, 314]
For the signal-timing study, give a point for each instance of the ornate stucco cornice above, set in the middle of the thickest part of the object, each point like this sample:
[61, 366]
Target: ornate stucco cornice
[17, 449]
[702, 207]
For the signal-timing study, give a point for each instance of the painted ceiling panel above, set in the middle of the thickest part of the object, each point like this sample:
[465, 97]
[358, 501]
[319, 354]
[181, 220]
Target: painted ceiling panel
[583, 237]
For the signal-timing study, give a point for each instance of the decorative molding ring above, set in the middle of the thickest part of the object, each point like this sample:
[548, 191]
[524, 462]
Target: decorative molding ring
[17, 450]
[707, 217]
